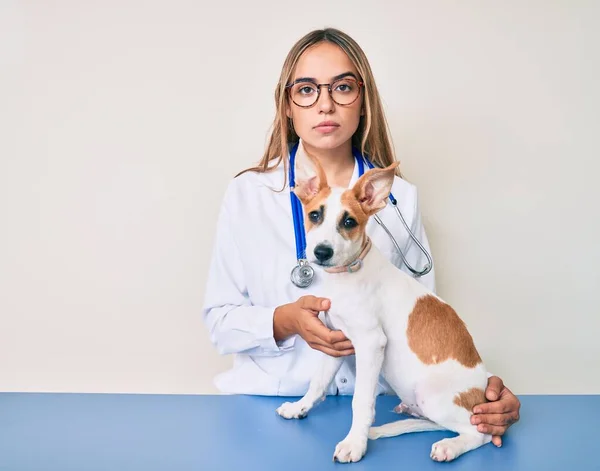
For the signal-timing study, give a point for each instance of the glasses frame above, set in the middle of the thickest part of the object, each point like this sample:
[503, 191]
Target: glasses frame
[360, 84]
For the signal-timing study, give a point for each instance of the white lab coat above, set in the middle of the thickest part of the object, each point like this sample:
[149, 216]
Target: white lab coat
[249, 277]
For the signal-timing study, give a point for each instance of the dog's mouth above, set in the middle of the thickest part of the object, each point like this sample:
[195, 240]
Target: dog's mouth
[324, 264]
[331, 263]
[338, 260]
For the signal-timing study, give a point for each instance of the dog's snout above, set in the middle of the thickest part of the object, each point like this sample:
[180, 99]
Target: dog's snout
[323, 252]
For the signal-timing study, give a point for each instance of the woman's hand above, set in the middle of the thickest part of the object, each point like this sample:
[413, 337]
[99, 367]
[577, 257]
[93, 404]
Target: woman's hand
[501, 412]
[301, 317]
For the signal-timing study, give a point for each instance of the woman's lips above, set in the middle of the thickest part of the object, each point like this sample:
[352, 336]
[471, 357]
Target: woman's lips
[327, 127]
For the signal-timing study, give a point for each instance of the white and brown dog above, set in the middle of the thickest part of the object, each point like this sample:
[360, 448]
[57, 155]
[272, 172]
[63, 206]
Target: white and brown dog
[398, 328]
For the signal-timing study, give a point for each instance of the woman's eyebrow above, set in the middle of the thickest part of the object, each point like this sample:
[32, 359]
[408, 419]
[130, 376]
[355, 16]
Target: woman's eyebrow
[333, 79]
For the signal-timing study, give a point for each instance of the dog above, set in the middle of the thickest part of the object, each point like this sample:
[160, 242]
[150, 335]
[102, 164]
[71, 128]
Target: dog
[398, 328]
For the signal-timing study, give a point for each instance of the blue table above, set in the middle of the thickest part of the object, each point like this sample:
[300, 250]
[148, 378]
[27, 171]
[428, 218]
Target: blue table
[89, 432]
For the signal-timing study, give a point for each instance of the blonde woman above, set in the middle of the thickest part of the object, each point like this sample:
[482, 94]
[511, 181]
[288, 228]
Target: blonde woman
[327, 104]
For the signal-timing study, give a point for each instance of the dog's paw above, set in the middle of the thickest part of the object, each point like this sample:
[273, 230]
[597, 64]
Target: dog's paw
[444, 450]
[292, 410]
[350, 450]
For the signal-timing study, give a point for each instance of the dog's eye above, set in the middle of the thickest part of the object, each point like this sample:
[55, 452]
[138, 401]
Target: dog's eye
[314, 216]
[350, 223]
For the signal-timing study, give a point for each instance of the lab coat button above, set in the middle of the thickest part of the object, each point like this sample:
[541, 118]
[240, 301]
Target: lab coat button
[344, 380]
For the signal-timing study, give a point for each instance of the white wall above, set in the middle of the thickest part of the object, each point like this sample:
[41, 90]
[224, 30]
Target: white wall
[121, 123]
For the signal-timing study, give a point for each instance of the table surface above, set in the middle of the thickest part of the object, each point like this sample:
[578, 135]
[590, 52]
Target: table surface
[210, 433]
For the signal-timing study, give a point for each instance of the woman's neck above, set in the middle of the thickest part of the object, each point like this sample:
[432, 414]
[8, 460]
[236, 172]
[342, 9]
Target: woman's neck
[338, 163]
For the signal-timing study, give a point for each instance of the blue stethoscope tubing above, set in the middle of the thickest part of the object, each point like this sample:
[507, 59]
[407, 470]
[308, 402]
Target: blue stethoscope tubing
[300, 234]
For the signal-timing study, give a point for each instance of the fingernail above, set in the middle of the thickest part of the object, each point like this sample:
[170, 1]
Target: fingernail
[481, 428]
[478, 410]
[476, 420]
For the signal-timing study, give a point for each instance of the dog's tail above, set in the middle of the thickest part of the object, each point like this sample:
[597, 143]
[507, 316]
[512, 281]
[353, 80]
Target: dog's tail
[403, 426]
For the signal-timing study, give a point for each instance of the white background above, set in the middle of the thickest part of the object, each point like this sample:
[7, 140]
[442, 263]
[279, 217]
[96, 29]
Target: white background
[121, 122]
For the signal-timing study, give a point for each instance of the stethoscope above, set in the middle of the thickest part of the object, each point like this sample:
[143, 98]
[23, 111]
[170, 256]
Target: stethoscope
[303, 274]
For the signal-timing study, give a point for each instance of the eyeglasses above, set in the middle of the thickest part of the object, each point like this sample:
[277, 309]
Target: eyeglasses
[305, 93]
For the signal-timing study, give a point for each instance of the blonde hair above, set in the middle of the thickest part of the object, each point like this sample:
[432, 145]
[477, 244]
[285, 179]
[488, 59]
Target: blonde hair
[371, 137]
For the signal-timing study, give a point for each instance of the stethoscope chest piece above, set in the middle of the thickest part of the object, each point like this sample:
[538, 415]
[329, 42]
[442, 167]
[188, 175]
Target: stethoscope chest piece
[302, 274]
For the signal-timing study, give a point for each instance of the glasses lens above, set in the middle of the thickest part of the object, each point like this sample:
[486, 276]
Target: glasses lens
[345, 91]
[304, 93]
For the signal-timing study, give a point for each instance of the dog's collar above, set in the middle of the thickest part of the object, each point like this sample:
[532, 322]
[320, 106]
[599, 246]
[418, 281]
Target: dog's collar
[356, 264]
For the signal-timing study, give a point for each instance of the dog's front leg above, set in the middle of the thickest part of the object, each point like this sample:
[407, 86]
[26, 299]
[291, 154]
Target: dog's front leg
[369, 349]
[316, 390]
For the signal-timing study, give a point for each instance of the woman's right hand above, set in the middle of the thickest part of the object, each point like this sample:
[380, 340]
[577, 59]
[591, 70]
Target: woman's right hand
[301, 317]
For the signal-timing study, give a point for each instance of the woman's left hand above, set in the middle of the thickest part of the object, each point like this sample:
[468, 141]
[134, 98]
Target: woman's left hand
[501, 412]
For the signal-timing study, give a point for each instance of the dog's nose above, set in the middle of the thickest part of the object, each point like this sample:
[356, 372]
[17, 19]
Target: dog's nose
[323, 252]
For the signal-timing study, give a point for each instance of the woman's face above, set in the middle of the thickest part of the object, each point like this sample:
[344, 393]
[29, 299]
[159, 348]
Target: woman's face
[326, 124]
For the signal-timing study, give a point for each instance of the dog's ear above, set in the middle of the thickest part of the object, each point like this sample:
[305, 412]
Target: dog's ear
[310, 176]
[374, 187]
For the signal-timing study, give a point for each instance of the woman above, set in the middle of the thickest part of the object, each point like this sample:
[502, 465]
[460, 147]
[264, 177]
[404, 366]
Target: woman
[327, 102]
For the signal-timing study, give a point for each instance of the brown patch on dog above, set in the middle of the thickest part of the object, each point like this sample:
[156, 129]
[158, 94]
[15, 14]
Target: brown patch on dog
[470, 398]
[435, 334]
[361, 201]
[355, 210]
[349, 233]
[315, 204]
